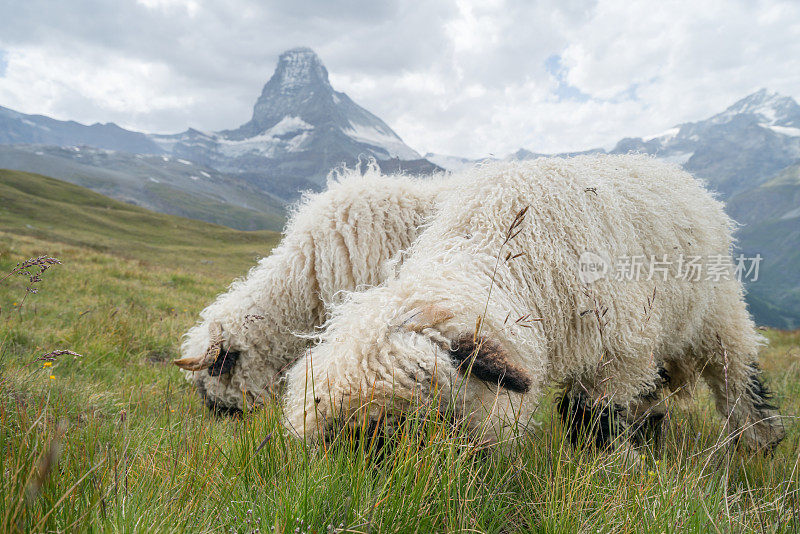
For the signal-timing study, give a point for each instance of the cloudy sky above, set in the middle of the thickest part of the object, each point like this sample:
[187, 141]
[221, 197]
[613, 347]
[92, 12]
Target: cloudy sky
[470, 78]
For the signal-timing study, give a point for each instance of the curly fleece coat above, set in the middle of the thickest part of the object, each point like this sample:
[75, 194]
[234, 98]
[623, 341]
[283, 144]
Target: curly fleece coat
[335, 240]
[414, 338]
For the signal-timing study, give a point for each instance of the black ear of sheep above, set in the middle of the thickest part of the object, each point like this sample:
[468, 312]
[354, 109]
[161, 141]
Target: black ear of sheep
[224, 363]
[486, 360]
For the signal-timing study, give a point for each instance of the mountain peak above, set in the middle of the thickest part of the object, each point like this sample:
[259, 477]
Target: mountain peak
[298, 113]
[300, 66]
[298, 87]
[770, 108]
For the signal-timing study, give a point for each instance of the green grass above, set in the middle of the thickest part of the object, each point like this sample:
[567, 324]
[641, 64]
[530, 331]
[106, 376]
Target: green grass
[164, 186]
[116, 441]
[56, 211]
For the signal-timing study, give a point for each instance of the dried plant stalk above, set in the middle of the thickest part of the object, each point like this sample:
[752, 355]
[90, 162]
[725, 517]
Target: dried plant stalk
[53, 356]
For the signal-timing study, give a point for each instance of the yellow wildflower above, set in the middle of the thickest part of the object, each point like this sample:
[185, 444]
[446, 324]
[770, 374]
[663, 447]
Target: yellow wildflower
[48, 364]
[52, 377]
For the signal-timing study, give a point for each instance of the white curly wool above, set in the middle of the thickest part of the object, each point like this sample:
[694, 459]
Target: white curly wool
[335, 240]
[540, 323]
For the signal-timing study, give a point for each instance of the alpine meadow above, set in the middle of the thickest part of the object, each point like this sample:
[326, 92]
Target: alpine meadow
[111, 438]
[400, 267]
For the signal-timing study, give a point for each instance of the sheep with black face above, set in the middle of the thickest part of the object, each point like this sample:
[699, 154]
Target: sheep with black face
[489, 307]
[335, 240]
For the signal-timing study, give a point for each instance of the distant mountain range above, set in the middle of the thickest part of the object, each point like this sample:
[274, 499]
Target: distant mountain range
[158, 182]
[18, 128]
[301, 128]
[736, 150]
[750, 155]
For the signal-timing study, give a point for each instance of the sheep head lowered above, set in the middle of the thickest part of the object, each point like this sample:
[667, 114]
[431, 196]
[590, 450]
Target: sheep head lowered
[483, 357]
[371, 369]
[216, 359]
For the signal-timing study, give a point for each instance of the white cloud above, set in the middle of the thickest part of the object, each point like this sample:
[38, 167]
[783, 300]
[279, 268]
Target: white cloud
[93, 87]
[459, 77]
[35, 75]
[189, 6]
[685, 63]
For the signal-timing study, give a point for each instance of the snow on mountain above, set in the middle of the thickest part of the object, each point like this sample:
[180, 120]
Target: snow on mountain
[374, 135]
[679, 158]
[288, 135]
[300, 129]
[734, 150]
[288, 125]
[771, 109]
[666, 136]
[450, 163]
[783, 130]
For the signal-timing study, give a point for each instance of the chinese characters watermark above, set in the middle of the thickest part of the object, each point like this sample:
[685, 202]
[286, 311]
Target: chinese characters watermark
[711, 268]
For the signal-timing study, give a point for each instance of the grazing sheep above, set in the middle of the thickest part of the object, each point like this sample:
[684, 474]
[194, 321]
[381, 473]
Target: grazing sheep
[335, 240]
[492, 288]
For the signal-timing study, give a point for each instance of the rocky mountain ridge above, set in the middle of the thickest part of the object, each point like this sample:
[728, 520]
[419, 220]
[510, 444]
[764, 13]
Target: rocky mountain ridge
[300, 129]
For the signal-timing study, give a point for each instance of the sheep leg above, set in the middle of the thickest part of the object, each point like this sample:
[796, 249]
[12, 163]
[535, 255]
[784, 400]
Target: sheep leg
[729, 365]
[646, 415]
[643, 419]
[600, 425]
[744, 401]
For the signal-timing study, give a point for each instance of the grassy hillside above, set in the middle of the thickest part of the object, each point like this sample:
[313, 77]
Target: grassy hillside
[114, 440]
[42, 207]
[770, 218]
[161, 183]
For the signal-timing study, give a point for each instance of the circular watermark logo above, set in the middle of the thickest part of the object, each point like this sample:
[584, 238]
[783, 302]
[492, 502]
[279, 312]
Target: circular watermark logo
[592, 267]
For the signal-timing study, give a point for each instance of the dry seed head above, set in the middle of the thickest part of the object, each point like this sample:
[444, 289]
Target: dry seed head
[29, 268]
[52, 356]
